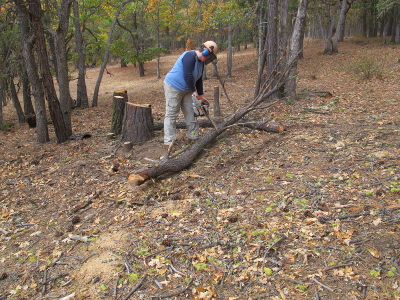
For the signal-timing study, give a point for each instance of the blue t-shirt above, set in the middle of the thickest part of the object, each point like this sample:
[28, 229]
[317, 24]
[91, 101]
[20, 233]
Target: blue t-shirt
[187, 73]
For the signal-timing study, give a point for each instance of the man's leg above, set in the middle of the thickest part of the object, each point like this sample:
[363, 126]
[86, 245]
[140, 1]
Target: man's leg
[172, 106]
[192, 124]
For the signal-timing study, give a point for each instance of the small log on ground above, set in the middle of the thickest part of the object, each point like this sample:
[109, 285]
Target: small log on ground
[120, 98]
[204, 123]
[138, 124]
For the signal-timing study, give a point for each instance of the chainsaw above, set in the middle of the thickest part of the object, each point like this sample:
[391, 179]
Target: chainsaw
[201, 108]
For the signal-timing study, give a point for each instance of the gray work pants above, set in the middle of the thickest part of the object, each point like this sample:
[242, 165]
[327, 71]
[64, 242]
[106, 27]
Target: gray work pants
[175, 101]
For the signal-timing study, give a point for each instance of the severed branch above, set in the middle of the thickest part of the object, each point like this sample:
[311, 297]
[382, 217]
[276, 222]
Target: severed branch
[253, 124]
[181, 162]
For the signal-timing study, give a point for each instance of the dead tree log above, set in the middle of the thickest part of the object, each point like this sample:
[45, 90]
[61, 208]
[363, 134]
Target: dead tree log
[171, 164]
[120, 98]
[168, 165]
[138, 123]
[260, 125]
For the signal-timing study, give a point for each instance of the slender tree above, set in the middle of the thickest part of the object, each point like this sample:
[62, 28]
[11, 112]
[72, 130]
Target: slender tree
[82, 99]
[106, 53]
[47, 79]
[59, 37]
[27, 40]
[296, 47]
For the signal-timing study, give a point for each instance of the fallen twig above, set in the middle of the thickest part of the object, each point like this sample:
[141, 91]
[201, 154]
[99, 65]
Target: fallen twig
[323, 285]
[134, 289]
[269, 248]
[176, 293]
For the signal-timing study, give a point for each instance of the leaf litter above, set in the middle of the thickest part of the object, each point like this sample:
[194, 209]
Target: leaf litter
[312, 213]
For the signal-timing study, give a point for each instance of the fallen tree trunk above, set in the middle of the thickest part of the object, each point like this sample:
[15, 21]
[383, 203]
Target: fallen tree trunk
[167, 164]
[171, 164]
[260, 125]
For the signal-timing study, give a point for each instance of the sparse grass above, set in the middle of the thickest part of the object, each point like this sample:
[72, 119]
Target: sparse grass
[368, 67]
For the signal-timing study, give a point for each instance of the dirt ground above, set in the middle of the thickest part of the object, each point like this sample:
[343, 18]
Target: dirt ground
[310, 213]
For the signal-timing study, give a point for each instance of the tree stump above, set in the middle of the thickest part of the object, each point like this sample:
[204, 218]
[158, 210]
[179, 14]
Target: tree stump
[120, 98]
[217, 109]
[138, 123]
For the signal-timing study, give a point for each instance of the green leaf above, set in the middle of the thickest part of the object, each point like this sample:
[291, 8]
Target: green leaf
[268, 271]
[200, 266]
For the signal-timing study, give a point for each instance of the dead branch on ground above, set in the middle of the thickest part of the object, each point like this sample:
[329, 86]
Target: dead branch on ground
[174, 164]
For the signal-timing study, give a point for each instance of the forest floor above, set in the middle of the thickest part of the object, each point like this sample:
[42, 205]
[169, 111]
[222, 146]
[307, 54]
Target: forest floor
[310, 213]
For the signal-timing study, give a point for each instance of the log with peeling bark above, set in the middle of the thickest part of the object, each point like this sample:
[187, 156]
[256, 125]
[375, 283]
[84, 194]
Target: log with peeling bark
[260, 125]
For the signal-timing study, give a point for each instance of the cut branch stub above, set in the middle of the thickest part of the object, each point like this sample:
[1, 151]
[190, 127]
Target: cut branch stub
[120, 98]
[138, 123]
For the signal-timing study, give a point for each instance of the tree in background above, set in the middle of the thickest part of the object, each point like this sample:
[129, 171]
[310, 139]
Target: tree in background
[27, 41]
[82, 99]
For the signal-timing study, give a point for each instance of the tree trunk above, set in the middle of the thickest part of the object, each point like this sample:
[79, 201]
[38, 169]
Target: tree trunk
[15, 101]
[274, 127]
[262, 31]
[26, 94]
[217, 109]
[106, 53]
[82, 99]
[62, 64]
[229, 54]
[118, 111]
[47, 78]
[42, 133]
[2, 97]
[138, 123]
[283, 39]
[141, 68]
[342, 18]
[296, 47]
[271, 42]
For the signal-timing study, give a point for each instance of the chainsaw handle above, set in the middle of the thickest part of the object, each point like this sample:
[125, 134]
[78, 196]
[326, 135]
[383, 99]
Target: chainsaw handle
[203, 100]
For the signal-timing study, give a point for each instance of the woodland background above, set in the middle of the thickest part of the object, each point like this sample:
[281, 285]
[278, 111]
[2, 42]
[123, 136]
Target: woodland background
[311, 213]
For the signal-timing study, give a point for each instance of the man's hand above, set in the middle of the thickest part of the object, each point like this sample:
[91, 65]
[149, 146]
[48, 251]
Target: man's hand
[204, 100]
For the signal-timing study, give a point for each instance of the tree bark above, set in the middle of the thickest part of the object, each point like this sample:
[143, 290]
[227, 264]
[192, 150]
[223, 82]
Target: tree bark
[118, 111]
[47, 79]
[42, 132]
[342, 18]
[26, 94]
[138, 123]
[274, 127]
[2, 97]
[230, 51]
[296, 47]
[217, 109]
[82, 99]
[65, 99]
[15, 100]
